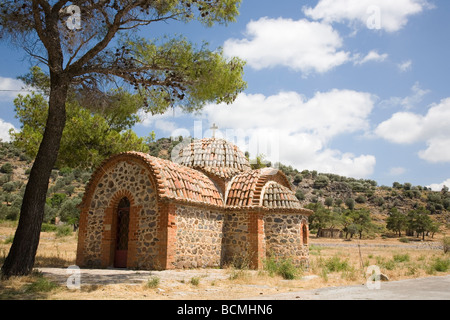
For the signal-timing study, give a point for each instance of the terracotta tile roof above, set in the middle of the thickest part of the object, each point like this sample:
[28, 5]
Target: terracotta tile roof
[276, 196]
[173, 181]
[267, 188]
[214, 156]
[247, 188]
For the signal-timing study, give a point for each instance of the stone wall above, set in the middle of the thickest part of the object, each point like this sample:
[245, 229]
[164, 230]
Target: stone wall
[284, 236]
[198, 237]
[124, 179]
[235, 248]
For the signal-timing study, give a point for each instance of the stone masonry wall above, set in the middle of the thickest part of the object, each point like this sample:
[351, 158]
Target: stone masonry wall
[198, 237]
[132, 178]
[235, 248]
[284, 237]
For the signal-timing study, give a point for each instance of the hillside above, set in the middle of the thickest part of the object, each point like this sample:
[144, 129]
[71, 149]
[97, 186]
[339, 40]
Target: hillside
[65, 191]
[331, 191]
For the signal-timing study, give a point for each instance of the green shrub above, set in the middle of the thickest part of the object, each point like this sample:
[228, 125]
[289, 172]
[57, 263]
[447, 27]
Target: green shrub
[47, 227]
[334, 264]
[282, 267]
[440, 265]
[63, 231]
[195, 281]
[41, 284]
[6, 168]
[153, 282]
[401, 257]
[287, 270]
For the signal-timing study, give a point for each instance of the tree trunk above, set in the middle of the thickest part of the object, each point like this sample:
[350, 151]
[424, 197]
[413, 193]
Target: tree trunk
[20, 260]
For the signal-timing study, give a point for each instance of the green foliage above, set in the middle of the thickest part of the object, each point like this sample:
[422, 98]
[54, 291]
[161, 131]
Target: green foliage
[153, 282]
[6, 168]
[282, 267]
[63, 231]
[440, 264]
[195, 281]
[335, 264]
[401, 257]
[69, 211]
[204, 75]
[300, 195]
[88, 137]
[41, 284]
[360, 199]
[350, 203]
[396, 221]
[321, 182]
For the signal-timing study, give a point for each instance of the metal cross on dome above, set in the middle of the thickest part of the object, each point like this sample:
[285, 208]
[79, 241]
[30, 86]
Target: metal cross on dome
[214, 128]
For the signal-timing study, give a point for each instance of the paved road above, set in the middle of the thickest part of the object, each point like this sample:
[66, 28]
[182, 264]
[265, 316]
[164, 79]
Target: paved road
[431, 288]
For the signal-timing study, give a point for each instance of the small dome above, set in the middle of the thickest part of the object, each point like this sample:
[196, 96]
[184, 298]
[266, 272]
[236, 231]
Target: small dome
[215, 156]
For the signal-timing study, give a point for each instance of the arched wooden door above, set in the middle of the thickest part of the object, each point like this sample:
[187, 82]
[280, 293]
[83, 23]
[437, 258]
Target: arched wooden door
[123, 221]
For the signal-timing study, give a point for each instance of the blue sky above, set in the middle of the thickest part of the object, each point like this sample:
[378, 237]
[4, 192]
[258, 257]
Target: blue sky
[359, 88]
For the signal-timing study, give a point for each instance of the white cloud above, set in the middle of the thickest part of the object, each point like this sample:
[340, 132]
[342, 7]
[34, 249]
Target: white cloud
[4, 130]
[10, 88]
[302, 45]
[432, 128]
[439, 186]
[163, 122]
[409, 102]
[405, 66]
[372, 56]
[374, 14]
[303, 128]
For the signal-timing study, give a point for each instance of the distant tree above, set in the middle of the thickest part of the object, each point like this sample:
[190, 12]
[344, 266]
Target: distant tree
[321, 182]
[397, 221]
[362, 220]
[360, 199]
[397, 185]
[338, 202]
[328, 202]
[298, 178]
[420, 221]
[69, 212]
[320, 218]
[300, 195]
[350, 203]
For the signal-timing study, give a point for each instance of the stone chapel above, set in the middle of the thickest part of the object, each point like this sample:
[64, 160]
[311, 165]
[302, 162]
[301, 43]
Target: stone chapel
[207, 208]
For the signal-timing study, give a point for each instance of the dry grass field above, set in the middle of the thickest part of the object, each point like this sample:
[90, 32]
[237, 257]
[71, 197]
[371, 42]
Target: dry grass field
[333, 262]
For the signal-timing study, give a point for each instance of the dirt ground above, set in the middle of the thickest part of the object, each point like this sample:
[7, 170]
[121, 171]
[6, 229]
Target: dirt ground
[333, 263]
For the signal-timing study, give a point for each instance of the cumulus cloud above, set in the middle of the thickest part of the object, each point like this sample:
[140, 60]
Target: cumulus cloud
[301, 129]
[405, 66]
[409, 102]
[439, 186]
[4, 130]
[164, 122]
[388, 15]
[302, 45]
[432, 128]
[372, 56]
[10, 88]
